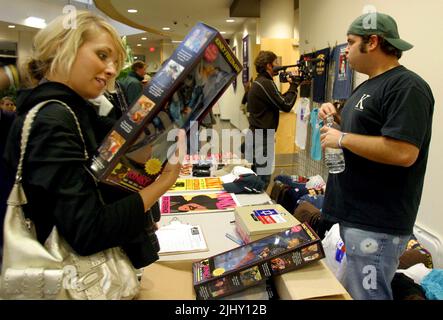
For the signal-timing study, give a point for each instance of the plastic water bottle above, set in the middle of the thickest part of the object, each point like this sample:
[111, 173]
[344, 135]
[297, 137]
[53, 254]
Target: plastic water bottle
[334, 157]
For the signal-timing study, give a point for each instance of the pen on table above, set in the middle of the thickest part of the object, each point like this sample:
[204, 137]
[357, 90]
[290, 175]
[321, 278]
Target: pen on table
[231, 237]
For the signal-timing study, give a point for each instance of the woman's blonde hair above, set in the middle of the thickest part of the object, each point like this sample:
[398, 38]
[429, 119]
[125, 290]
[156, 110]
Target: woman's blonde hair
[55, 47]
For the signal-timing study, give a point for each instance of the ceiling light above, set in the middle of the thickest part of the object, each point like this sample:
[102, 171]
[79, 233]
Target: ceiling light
[35, 22]
[176, 41]
[135, 57]
[11, 26]
[222, 32]
[132, 10]
[144, 38]
[139, 45]
[230, 20]
[166, 28]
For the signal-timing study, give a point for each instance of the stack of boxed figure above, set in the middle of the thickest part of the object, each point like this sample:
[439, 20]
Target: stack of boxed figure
[252, 264]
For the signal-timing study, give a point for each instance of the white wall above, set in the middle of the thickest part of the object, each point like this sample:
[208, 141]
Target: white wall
[296, 24]
[24, 46]
[229, 103]
[420, 23]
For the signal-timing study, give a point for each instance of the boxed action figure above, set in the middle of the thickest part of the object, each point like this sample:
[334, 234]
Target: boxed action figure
[253, 263]
[256, 222]
[183, 91]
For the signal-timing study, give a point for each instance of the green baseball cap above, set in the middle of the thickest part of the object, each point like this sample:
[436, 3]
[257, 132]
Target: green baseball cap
[379, 24]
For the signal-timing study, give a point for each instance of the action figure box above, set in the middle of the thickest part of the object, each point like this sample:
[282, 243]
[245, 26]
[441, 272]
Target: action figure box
[256, 222]
[252, 264]
[182, 185]
[179, 95]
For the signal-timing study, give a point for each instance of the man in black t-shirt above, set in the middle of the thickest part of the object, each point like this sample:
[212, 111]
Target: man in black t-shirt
[385, 134]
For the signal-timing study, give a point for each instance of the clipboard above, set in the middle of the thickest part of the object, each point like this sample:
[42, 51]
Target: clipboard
[177, 237]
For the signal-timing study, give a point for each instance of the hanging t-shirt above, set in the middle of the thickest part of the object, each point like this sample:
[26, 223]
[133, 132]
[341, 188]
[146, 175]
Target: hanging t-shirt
[305, 86]
[316, 124]
[305, 89]
[320, 75]
[301, 125]
[342, 75]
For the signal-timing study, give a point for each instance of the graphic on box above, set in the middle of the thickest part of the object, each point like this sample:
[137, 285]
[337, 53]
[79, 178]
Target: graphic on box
[197, 39]
[253, 263]
[182, 91]
[111, 146]
[141, 110]
[268, 216]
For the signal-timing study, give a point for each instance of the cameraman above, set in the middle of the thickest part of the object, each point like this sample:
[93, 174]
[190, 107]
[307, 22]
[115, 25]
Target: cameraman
[264, 105]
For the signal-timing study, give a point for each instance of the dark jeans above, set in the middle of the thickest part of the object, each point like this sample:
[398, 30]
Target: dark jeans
[262, 154]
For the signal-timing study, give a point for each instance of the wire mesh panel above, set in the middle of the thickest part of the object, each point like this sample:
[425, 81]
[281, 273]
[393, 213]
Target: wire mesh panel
[307, 166]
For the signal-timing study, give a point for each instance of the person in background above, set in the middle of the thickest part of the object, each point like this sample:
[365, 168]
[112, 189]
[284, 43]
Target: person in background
[264, 105]
[7, 104]
[246, 86]
[132, 84]
[244, 100]
[385, 134]
[7, 116]
[75, 65]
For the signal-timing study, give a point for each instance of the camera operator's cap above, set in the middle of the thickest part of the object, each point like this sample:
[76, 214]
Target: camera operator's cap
[379, 24]
[245, 183]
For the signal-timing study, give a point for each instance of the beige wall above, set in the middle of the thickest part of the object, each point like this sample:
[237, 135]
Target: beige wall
[23, 40]
[276, 19]
[285, 136]
[229, 103]
[420, 22]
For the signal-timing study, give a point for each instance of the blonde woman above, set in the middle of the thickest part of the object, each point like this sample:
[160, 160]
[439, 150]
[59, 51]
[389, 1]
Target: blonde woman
[73, 65]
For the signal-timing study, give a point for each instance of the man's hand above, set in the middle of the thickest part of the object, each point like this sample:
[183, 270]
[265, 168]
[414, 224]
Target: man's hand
[329, 137]
[327, 109]
[291, 75]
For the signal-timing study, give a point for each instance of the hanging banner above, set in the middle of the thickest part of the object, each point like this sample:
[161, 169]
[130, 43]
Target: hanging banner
[245, 41]
[234, 83]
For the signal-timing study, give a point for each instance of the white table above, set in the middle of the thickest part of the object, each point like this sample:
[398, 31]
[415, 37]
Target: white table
[214, 226]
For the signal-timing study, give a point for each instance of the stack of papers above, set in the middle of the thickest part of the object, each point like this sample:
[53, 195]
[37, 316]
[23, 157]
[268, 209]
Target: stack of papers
[178, 237]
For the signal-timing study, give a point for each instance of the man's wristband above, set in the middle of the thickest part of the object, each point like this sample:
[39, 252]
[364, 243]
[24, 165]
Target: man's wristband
[341, 138]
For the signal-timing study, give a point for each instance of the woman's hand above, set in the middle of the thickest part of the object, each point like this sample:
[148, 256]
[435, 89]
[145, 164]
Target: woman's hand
[172, 168]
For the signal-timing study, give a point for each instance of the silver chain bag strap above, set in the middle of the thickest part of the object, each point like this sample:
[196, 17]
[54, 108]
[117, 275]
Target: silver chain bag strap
[31, 270]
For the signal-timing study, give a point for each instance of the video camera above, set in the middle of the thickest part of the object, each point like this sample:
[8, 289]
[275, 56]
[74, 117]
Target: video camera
[305, 70]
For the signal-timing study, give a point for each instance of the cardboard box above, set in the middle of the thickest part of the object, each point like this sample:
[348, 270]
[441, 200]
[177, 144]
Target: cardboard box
[183, 91]
[252, 264]
[159, 282]
[256, 222]
[313, 282]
